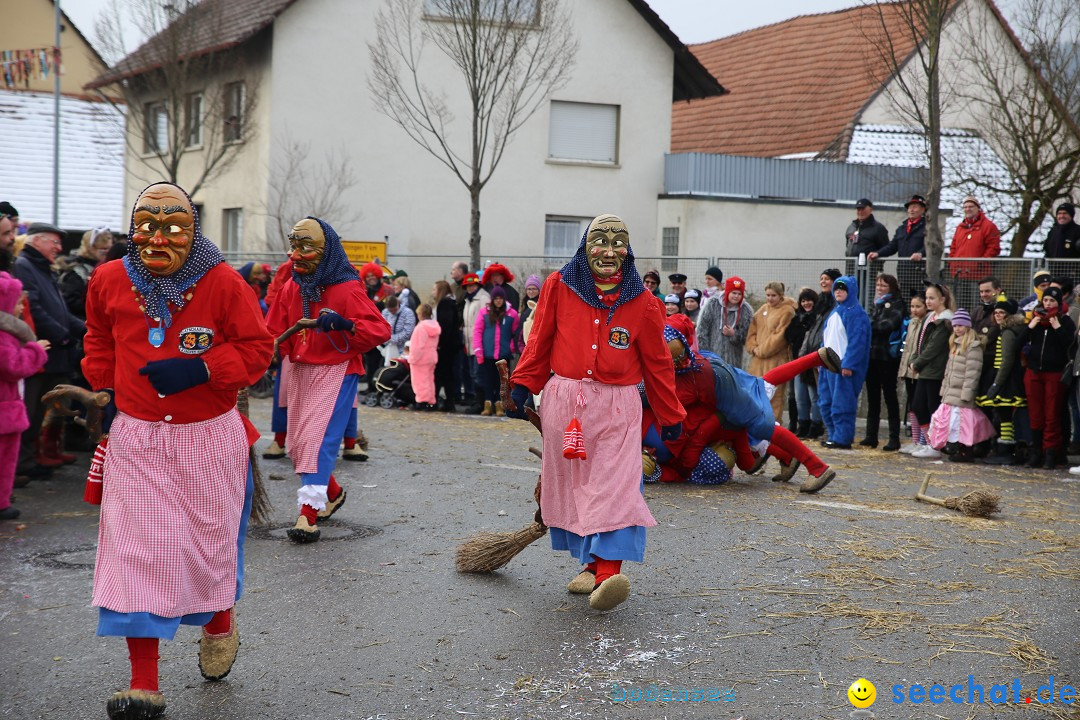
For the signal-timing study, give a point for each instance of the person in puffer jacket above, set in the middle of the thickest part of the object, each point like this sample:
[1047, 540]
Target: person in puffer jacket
[423, 355]
[957, 425]
[847, 331]
[493, 340]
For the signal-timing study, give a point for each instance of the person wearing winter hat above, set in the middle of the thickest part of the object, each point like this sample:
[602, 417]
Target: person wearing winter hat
[672, 304]
[957, 425]
[714, 283]
[651, 281]
[724, 324]
[975, 237]
[533, 285]
[813, 338]
[1050, 335]
[494, 339]
[497, 274]
[598, 333]
[847, 331]
[1001, 388]
[1063, 240]
[1040, 280]
[678, 284]
[692, 304]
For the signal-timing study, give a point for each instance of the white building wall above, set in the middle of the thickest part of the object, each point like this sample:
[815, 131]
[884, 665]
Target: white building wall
[319, 85]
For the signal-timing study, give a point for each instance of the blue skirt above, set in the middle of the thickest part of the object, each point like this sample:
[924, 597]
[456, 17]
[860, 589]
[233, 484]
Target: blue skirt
[626, 543]
[149, 625]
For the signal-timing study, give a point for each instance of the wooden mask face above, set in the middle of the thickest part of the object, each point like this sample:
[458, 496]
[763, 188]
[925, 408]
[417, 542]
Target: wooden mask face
[607, 244]
[164, 228]
[308, 245]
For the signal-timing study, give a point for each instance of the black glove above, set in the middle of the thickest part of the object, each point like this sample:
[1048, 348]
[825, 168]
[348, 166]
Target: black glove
[671, 432]
[520, 396]
[992, 391]
[108, 413]
[332, 321]
[176, 374]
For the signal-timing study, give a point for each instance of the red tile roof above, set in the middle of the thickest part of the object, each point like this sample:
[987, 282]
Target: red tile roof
[233, 22]
[793, 87]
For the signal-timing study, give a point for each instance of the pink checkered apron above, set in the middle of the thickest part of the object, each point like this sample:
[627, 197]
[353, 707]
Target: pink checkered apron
[313, 391]
[170, 513]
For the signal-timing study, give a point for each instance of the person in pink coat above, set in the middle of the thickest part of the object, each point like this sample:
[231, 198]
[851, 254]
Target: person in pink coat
[423, 354]
[21, 355]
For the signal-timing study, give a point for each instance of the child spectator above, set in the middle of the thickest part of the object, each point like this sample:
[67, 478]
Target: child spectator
[928, 364]
[672, 304]
[957, 425]
[886, 326]
[912, 334]
[765, 340]
[493, 340]
[725, 321]
[21, 356]
[1003, 378]
[1050, 335]
[402, 322]
[692, 304]
[423, 355]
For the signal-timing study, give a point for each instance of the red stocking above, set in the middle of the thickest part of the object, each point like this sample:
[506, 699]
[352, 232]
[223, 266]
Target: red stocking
[744, 456]
[333, 490]
[143, 653]
[606, 568]
[786, 441]
[310, 513]
[279, 438]
[790, 370]
[220, 624]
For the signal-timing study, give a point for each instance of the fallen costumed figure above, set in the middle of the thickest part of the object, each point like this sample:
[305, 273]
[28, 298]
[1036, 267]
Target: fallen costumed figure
[729, 416]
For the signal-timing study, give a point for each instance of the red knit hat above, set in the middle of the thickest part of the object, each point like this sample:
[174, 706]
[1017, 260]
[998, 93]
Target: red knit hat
[683, 324]
[497, 268]
[734, 283]
[372, 268]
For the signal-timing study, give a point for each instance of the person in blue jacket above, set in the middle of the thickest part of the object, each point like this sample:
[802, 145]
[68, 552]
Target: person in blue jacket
[847, 331]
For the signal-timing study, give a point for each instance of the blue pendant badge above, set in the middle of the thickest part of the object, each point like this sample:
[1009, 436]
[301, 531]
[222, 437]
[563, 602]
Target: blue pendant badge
[156, 336]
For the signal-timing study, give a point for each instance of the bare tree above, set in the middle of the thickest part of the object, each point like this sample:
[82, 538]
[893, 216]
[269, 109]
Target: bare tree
[907, 41]
[511, 54]
[1024, 99]
[185, 103]
[299, 187]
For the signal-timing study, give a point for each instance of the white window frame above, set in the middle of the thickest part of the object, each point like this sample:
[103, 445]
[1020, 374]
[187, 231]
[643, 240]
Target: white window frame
[232, 230]
[233, 118]
[668, 259]
[193, 120]
[156, 128]
[567, 249]
[528, 10]
[569, 133]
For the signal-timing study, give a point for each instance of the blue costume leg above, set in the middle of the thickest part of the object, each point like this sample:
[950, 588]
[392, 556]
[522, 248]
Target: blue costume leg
[328, 452]
[350, 427]
[825, 383]
[652, 439]
[279, 418]
[844, 405]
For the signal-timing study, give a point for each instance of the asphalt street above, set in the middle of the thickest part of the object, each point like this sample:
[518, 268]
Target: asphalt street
[770, 601]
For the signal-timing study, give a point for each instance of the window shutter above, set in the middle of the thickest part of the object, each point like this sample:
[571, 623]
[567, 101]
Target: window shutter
[583, 131]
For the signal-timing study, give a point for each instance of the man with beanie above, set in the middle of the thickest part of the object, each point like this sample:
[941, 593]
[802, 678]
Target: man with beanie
[1063, 240]
[714, 283]
[1039, 282]
[976, 237]
[846, 331]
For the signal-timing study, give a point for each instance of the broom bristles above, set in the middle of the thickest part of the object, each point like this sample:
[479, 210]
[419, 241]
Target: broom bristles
[977, 503]
[489, 551]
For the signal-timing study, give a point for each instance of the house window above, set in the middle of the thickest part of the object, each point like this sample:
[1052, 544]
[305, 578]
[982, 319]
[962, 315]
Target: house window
[155, 128]
[562, 235]
[234, 112]
[193, 119]
[584, 132]
[515, 11]
[669, 248]
[233, 225]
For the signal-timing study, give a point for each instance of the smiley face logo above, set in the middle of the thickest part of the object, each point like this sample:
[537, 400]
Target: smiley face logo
[862, 693]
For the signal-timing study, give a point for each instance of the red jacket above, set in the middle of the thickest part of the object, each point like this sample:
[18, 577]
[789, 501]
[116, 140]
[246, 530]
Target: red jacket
[281, 276]
[222, 324]
[576, 341]
[978, 238]
[347, 299]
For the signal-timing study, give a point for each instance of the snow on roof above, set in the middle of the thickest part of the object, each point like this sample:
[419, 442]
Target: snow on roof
[91, 160]
[964, 154]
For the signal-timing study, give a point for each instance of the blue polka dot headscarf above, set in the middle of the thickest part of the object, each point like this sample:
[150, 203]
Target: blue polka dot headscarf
[695, 363]
[578, 276]
[710, 470]
[159, 291]
[334, 268]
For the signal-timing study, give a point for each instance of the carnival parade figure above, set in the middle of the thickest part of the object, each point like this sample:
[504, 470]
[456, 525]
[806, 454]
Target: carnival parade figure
[327, 362]
[596, 334]
[172, 334]
[729, 417]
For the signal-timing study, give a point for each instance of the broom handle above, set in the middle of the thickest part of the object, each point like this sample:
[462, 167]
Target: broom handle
[301, 324]
[920, 493]
[504, 386]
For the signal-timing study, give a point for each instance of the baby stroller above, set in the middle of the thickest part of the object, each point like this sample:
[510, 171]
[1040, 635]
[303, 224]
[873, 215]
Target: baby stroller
[393, 386]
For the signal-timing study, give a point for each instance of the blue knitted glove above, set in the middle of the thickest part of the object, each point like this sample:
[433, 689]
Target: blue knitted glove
[520, 395]
[671, 432]
[175, 374]
[332, 321]
[108, 413]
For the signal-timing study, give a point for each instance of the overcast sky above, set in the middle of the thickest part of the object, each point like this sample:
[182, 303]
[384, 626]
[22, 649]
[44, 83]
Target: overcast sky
[694, 21]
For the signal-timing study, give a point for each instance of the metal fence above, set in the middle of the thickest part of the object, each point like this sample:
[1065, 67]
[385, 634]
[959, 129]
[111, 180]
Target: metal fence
[962, 274]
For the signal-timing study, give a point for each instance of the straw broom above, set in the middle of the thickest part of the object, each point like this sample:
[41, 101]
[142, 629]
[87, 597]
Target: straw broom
[489, 551]
[977, 503]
